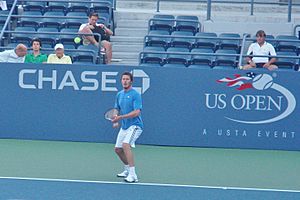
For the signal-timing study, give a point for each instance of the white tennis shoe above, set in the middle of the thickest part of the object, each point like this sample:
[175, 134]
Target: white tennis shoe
[123, 174]
[131, 179]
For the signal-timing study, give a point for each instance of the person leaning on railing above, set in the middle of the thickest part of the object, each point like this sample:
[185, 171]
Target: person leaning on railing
[261, 48]
[93, 27]
[36, 56]
[16, 55]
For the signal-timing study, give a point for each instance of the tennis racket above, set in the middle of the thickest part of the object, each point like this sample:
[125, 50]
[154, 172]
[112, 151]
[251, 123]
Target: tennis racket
[110, 115]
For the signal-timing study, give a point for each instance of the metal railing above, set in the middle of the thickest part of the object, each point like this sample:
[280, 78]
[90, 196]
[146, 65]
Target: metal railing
[251, 3]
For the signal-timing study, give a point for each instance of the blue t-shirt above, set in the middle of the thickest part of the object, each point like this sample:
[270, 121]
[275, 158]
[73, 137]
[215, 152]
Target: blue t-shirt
[126, 102]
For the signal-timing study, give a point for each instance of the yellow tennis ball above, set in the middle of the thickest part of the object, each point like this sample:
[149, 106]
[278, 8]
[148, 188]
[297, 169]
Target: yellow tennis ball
[77, 40]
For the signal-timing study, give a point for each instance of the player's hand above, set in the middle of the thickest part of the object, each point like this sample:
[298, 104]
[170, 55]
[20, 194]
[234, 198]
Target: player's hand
[116, 119]
[115, 125]
[101, 25]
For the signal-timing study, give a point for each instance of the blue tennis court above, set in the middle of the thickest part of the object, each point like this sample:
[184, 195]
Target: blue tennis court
[29, 188]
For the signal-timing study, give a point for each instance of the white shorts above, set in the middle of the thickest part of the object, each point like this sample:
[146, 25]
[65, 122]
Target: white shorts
[128, 136]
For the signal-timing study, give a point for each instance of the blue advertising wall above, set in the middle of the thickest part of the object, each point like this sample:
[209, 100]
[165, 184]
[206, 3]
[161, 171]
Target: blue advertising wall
[181, 107]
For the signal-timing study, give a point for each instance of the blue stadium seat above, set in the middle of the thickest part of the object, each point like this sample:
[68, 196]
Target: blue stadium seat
[68, 39]
[156, 40]
[84, 58]
[187, 26]
[23, 37]
[50, 39]
[29, 21]
[76, 22]
[287, 63]
[156, 55]
[12, 45]
[96, 52]
[182, 42]
[287, 45]
[210, 43]
[225, 60]
[178, 58]
[80, 7]
[206, 60]
[159, 22]
[57, 6]
[174, 65]
[104, 8]
[53, 19]
[3, 16]
[35, 6]
[230, 44]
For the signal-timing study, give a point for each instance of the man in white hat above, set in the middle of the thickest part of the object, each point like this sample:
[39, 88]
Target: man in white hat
[59, 57]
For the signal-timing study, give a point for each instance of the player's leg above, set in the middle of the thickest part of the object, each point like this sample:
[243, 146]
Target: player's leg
[119, 151]
[132, 135]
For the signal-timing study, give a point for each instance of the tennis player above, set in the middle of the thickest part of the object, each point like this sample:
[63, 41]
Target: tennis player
[129, 103]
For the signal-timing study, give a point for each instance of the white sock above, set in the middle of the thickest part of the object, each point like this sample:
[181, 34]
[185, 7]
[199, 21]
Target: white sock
[126, 168]
[132, 170]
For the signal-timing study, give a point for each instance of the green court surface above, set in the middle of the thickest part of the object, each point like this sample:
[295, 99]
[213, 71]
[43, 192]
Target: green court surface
[263, 169]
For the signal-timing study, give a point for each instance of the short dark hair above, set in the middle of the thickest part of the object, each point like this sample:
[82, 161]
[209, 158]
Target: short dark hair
[93, 14]
[127, 74]
[260, 33]
[36, 40]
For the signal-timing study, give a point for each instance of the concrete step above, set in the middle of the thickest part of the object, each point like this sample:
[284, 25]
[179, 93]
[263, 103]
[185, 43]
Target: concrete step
[133, 32]
[132, 62]
[127, 47]
[133, 14]
[132, 23]
[126, 39]
[126, 55]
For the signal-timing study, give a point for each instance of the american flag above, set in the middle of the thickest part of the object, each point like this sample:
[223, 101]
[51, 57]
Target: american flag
[239, 81]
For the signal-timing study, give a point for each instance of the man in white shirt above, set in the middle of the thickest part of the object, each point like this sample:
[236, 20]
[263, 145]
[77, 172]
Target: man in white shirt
[16, 55]
[261, 48]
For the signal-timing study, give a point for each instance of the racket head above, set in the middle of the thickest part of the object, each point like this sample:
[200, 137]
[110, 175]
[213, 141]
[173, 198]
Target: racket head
[111, 113]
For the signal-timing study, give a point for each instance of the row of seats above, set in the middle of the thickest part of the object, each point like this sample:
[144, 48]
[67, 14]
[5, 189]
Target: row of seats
[204, 57]
[188, 40]
[213, 41]
[171, 23]
[57, 19]
[102, 6]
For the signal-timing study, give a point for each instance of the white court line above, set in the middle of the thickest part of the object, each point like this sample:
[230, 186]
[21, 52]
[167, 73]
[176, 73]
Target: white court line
[150, 184]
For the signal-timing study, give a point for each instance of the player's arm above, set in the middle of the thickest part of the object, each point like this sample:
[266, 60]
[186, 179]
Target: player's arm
[132, 114]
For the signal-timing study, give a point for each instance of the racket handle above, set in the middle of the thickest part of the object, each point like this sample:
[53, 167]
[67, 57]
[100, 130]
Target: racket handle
[115, 125]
